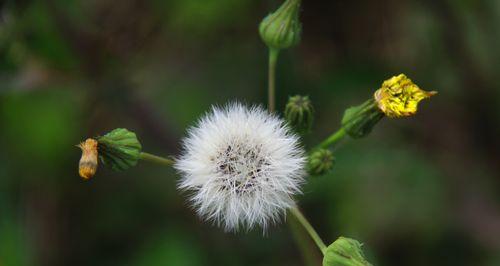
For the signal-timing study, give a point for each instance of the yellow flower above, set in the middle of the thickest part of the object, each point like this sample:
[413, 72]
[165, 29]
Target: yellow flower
[399, 96]
[88, 163]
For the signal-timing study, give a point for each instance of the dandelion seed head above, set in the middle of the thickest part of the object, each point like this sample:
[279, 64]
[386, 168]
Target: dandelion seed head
[242, 167]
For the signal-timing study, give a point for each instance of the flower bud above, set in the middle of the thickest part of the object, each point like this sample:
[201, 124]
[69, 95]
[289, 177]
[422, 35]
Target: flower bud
[345, 252]
[399, 96]
[299, 113]
[282, 29]
[119, 149]
[88, 162]
[358, 121]
[320, 162]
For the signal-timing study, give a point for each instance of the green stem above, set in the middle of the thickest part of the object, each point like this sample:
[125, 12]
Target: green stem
[156, 159]
[271, 92]
[332, 139]
[308, 251]
[308, 227]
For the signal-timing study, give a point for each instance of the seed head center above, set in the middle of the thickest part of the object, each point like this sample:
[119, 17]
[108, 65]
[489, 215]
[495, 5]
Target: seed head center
[241, 166]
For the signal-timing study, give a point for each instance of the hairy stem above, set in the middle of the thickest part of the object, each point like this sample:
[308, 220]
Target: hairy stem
[332, 139]
[156, 159]
[308, 227]
[271, 92]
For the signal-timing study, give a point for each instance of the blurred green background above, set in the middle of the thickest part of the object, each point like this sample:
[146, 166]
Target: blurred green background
[418, 191]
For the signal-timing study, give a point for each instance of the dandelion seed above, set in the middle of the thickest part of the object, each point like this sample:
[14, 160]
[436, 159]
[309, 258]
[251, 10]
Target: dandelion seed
[242, 167]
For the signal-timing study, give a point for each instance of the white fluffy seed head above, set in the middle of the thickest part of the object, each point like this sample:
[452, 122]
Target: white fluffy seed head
[242, 167]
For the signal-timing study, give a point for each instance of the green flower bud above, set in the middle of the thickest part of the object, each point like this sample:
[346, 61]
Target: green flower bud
[299, 113]
[345, 252]
[320, 162]
[119, 149]
[358, 121]
[282, 29]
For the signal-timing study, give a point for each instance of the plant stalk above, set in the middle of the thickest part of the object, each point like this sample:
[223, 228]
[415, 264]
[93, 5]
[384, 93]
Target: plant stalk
[301, 237]
[332, 139]
[308, 227]
[156, 159]
[271, 96]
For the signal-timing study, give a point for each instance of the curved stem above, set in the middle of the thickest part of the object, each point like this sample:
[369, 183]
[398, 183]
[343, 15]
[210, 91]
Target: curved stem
[271, 92]
[308, 251]
[156, 159]
[308, 227]
[332, 139]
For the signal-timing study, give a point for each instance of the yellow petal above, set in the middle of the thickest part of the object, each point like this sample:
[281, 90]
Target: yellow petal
[399, 96]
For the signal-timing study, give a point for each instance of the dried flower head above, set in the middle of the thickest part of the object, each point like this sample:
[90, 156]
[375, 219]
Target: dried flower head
[399, 96]
[320, 162]
[88, 163]
[242, 165]
[299, 113]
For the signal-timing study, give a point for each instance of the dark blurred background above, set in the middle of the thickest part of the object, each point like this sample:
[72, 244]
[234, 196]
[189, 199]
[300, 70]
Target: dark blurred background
[418, 191]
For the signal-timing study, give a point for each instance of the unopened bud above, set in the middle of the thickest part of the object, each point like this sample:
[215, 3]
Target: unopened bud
[399, 96]
[299, 113]
[320, 162]
[345, 252]
[282, 29]
[120, 149]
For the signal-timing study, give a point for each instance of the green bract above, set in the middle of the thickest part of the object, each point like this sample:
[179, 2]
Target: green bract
[299, 113]
[119, 149]
[345, 252]
[282, 29]
[320, 162]
[358, 121]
